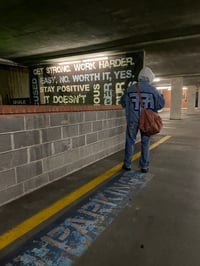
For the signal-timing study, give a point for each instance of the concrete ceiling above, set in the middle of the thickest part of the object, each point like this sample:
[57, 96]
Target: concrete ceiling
[168, 31]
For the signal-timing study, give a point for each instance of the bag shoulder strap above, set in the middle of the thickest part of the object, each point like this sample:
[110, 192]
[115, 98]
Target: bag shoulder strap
[139, 94]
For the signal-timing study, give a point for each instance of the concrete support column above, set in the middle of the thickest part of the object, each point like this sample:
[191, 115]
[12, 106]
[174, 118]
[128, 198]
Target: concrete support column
[176, 98]
[191, 99]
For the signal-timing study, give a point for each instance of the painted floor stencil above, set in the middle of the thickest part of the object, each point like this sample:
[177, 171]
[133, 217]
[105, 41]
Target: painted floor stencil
[70, 236]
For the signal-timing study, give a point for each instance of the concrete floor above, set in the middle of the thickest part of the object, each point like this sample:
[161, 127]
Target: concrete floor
[160, 226]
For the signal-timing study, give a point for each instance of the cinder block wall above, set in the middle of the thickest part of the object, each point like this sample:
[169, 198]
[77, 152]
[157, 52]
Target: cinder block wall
[36, 149]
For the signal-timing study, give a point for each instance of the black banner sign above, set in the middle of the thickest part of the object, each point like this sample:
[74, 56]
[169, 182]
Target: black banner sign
[96, 81]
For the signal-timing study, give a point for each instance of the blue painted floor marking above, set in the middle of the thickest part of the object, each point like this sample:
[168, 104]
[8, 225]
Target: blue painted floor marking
[70, 236]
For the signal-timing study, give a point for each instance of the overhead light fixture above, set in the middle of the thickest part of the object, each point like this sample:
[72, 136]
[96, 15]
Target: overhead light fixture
[70, 62]
[156, 80]
[163, 87]
[83, 61]
[95, 59]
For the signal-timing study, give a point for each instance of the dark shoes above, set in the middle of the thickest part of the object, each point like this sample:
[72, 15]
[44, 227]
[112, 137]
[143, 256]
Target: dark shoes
[144, 170]
[126, 168]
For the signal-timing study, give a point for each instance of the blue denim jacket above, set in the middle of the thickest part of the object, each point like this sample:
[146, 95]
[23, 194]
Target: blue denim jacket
[151, 98]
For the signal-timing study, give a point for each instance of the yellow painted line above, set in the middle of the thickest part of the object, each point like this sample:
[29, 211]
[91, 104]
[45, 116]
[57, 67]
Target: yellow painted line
[30, 223]
[154, 145]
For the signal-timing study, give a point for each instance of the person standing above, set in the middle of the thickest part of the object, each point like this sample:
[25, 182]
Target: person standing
[152, 99]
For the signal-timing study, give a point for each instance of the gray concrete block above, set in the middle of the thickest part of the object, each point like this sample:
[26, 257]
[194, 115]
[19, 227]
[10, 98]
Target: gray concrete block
[62, 143]
[71, 168]
[106, 124]
[82, 162]
[35, 183]
[11, 123]
[98, 125]
[70, 131]
[28, 171]
[58, 173]
[121, 120]
[102, 134]
[51, 134]
[85, 128]
[5, 142]
[109, 133]
[11, 193]
[40, 151]
[62, 146]
[91, 138]
[76, 117]
[113, 114]
[119, 130]
[85, 151]
[53, 162]
[71, 156]
[100, 145]
[117, 121]
[78, 141]
[27, 138]
[7, 179]
[37, 121]
[59, 119]
[91, 116]
[12, 159]
[101, 115]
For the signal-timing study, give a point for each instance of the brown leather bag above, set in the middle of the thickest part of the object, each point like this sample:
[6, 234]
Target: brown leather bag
[150, 122]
